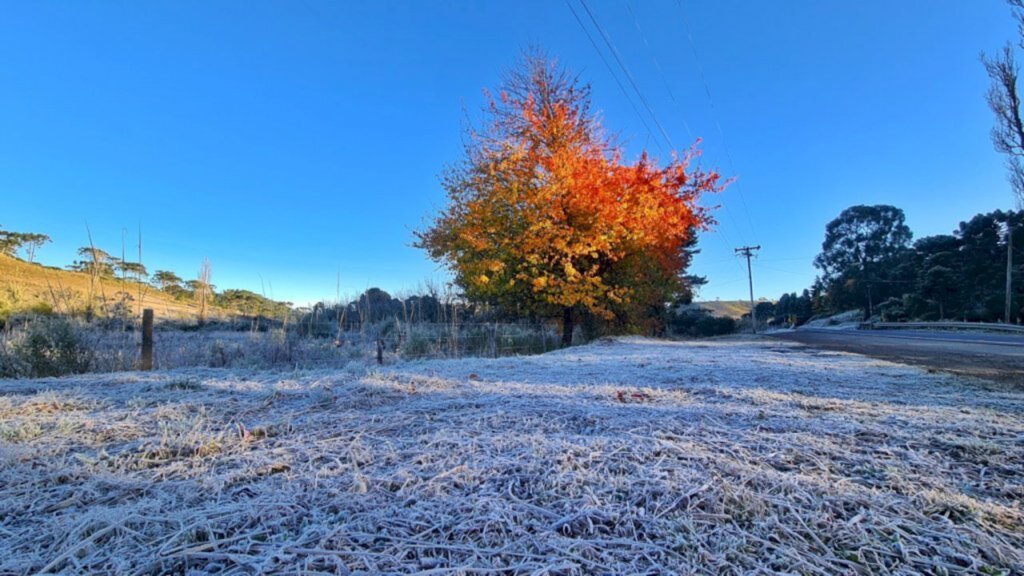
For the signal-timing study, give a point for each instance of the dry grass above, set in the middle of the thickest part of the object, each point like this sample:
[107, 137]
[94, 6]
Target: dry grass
[620, 457]
[734, 309]
[25, 286]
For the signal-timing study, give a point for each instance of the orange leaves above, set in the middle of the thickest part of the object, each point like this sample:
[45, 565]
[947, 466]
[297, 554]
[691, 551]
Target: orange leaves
[544, 214]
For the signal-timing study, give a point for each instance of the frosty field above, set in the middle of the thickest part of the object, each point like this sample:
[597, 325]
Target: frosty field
[623, 456]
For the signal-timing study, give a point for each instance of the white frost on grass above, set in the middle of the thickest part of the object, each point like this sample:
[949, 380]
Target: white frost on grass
[624, 456]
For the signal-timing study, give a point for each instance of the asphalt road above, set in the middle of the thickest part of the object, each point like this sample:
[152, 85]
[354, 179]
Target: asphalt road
[991, 356]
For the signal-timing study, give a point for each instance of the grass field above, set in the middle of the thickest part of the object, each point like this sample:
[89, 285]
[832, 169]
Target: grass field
[626, 456]
[25, 286]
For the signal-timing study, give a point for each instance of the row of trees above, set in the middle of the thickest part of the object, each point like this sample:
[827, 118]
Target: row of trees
[99, 263]
[869, 261]
[376, 306]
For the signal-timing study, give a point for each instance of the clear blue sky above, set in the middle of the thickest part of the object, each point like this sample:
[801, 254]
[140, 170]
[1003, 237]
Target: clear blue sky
[288, 140]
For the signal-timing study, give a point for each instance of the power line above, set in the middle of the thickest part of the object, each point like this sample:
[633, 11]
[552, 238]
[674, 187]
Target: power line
[678, 108]
[714, 110]
[719, 232]
[661, 72]
[629, 76]
[612, 72]
[762, 266]
[679, 111]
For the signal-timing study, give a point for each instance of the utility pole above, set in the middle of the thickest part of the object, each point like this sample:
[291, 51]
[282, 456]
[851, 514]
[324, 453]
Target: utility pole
[748, 251]
[1009, 269]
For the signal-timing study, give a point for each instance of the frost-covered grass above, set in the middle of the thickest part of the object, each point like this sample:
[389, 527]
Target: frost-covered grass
[42, 346]
[57, 346]
[627, 456]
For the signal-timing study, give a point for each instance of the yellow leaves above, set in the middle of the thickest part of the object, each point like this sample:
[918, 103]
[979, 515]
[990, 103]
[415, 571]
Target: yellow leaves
[539, 283]
[483, 279]
[570, 271]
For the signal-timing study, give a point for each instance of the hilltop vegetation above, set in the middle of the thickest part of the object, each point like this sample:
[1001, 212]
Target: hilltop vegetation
[101, 285]
[28, 287]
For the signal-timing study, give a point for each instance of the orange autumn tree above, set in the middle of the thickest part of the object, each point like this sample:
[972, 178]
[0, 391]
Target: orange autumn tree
[544, 216]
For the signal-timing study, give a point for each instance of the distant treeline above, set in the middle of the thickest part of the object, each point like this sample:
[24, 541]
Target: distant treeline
[99, 263]
[868, 261]
[375, 306]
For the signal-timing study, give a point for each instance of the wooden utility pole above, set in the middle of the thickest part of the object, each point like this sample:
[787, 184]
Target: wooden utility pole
[748, 251]
[1009, 270]
[147, 339]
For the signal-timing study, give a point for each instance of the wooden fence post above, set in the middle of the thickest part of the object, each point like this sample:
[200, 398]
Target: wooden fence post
[380, 351]
[147, 339]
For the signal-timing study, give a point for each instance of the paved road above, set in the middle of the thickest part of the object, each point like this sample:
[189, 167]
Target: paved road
[996, 357]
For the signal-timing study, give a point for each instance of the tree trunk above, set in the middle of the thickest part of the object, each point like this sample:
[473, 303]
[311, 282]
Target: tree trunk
[567, 326]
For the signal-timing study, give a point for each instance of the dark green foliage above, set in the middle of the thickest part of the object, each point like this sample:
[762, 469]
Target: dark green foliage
[179, 293]
[892, 310]
[165, 279]
[699, 322]
[251, 304]
[961, 276]
[789, 311]
[862, 257]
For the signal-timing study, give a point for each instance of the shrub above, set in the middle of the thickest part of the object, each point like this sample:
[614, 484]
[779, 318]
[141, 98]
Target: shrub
[45, 346]
[700, 322]
[892, 310]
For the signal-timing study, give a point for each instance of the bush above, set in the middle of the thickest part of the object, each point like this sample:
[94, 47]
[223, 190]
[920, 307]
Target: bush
[892, 310]
[715, 326]
[699, 322]
[45, 346]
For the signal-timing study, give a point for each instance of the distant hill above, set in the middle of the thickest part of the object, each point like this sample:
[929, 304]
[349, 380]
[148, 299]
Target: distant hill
[25, 286]
[734, 309]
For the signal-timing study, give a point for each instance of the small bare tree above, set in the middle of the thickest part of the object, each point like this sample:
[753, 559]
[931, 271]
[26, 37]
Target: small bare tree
[204, 288]
[1004, 100]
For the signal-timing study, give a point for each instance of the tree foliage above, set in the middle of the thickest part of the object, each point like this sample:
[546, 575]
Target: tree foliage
[958, 276]
[13, 242]
[860, 256]
[94, 261]
[164, 279]
[134, 269]
[250, 303]
[544, 216]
